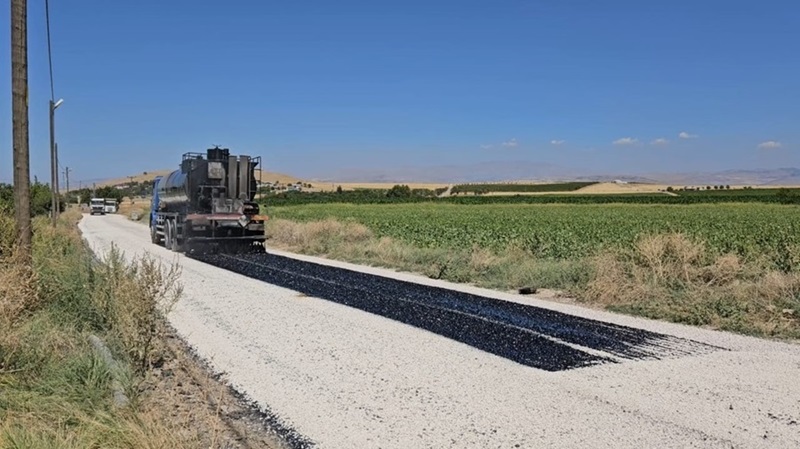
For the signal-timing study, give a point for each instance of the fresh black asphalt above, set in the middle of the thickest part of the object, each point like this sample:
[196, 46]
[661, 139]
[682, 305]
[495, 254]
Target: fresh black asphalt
[529, 335]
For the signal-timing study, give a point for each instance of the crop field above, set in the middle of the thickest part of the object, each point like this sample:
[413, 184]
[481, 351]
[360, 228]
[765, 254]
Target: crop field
[378, 196]
[498, 187]
[569, 231]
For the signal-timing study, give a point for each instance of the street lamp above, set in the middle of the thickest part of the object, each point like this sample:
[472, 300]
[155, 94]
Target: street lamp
[54, 202]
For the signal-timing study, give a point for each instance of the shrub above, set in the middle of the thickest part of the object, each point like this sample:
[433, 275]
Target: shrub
[399, 191]
[132, 298]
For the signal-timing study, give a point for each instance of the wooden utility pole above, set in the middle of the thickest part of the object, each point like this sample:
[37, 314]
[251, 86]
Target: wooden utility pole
[19, 102]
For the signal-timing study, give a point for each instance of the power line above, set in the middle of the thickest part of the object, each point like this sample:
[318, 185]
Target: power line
[49, 51]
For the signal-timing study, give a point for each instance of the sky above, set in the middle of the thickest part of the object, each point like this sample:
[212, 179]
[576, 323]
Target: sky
[315, 87]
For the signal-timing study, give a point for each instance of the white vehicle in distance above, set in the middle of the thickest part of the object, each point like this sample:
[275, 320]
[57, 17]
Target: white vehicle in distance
[97, 206]
[111, 206]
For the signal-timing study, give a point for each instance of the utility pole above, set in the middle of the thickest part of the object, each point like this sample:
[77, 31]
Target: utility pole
[54, 203]
[66, 193]
[19, 93]
[66, 177]
[53, 168]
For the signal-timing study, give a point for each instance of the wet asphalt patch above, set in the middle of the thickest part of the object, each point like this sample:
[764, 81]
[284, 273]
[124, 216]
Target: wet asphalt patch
[529, 335]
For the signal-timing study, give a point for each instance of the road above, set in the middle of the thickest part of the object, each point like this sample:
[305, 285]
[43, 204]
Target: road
[334, 372]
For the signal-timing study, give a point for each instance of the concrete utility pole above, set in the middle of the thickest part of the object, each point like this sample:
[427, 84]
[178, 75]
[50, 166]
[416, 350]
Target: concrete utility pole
[66, 177]
[19, 94]
[54, 201]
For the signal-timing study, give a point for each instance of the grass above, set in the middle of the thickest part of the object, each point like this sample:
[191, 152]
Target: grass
[55, 392]
[662, 275]
[675, 278]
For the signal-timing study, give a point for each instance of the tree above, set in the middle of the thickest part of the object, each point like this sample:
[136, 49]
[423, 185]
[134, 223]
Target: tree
[787, 196]
[40, 198]
[399, 191]
[109, 192]
[339, 189]
[727, 187]
[670, 189]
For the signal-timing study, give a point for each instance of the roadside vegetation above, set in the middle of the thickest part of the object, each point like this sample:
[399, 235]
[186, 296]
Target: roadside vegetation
[728, 266]
[56, 391]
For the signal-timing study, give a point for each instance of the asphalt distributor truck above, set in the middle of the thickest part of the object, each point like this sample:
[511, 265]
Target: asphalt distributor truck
[208, 205]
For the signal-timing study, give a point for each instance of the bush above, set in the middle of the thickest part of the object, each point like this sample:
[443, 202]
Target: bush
[399, 191]
[132, 298]
[41, 196]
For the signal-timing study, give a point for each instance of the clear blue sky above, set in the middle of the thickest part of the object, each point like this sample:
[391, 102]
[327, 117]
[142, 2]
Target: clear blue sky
[315, 86]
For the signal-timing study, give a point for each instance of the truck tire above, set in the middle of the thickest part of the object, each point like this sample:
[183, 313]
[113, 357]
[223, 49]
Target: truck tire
[154, 237]
[175, 245]
[167, 234]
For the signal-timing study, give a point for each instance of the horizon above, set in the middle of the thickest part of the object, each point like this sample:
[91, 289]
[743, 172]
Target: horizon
[316, 89]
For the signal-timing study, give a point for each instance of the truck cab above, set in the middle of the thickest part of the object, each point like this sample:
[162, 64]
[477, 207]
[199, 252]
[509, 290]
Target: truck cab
[97, 206]
[110, 206]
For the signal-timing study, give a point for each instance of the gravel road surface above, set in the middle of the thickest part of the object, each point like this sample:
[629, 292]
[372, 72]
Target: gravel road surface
[338, 376]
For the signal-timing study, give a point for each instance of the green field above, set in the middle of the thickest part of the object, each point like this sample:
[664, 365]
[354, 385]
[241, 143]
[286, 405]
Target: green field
[568, 231]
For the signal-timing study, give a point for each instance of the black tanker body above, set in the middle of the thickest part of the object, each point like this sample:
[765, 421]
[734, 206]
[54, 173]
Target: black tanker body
[209, 203]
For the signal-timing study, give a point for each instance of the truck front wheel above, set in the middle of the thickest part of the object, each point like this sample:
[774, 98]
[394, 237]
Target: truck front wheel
[154, 237]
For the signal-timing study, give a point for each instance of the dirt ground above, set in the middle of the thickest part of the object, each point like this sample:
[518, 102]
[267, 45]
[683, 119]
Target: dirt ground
[375, 185]
[202, 409]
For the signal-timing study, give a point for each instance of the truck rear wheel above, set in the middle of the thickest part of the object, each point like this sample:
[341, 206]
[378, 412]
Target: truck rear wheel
[175, 244]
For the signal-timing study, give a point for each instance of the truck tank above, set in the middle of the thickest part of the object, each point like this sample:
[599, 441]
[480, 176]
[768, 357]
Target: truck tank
[216, 183]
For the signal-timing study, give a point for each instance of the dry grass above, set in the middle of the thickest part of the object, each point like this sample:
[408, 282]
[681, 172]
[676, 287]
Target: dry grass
[604, 188]
[129, 207]
[318, 237]
[672, 277]
[18, 291]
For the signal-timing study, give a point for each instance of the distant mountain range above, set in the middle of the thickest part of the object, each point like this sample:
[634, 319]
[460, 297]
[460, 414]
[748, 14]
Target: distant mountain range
[776, 176]
[542, 172]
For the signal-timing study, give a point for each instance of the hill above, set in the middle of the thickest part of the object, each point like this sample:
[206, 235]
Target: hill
[150, 176]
